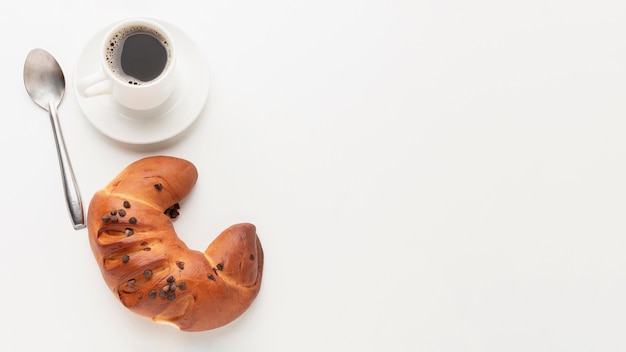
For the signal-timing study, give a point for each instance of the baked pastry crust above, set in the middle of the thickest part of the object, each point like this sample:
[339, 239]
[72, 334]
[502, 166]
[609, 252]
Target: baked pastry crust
[152, 271]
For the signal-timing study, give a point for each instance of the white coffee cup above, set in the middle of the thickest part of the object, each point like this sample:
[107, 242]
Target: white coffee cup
[137, 65]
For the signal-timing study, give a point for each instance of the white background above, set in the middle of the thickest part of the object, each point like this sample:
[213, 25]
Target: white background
[424, 175]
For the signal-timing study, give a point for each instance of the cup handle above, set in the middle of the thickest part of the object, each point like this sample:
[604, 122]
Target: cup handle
[94, 85]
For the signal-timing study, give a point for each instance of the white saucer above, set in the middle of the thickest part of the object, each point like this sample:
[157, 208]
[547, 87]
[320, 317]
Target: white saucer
[135, 127]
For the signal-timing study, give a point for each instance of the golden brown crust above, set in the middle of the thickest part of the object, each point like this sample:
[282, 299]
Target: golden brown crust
[150, 269]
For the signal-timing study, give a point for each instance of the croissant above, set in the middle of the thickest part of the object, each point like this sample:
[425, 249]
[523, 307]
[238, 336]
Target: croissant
[152, 271]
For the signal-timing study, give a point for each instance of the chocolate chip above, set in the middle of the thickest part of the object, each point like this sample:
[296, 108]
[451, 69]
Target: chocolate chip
[125, 258]
[131, 282]
[152, 294]
[106, 218]
[180, 265]
[170, 279]
[132, 220]
[251, 257]
[211, 277]
[147, 274]
[126, 204]
[129, 232]
[158, 186]
[113, 212]
[172, 211]
[220, 267]
[121, 213]
[182, 285]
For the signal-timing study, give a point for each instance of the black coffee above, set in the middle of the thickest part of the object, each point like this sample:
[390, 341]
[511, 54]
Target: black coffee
[143, 57]
[138, 54]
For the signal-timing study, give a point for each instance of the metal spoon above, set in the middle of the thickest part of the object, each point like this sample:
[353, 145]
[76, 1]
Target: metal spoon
[45, 83]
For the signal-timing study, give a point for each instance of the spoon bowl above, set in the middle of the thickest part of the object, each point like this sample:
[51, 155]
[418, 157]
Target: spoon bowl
[45, 84]
[43, 78]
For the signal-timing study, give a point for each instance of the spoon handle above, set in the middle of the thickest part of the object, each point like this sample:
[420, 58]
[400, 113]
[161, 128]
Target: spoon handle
[72, 195]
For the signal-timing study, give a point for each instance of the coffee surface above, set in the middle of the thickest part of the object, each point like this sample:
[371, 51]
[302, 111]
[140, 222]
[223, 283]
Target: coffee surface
[143, 57]
[138, 54]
